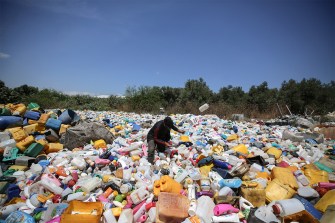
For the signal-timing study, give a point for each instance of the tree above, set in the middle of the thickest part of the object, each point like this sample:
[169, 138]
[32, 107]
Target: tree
[196, 91]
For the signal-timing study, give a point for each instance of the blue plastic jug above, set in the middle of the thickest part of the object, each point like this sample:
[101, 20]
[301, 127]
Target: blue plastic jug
[9, 121]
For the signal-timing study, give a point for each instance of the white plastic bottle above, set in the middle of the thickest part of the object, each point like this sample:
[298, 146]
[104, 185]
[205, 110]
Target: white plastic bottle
[139, 195]
[205, 209]
[7, 210]
[109, 217]
[126, 216]
[301, 177]
[287, 207]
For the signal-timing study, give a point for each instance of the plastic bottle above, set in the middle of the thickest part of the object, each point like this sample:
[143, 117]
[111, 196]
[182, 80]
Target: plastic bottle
[139, 195]
[221, 164]
[194, 173]
[51, 186]
[226, 218]
[91, 184]
[221, 209]
[205, 209]
[245, 204]
[301, 177]
[180, 173]
[193, 203]
[203, 107]
[265, 214]
[287, 207]
[330, 186]
[7, 210]
[126, 216]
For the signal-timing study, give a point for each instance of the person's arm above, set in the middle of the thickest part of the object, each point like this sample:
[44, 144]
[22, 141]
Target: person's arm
[177, 130]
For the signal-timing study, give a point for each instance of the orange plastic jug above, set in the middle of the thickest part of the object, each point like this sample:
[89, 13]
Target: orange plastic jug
[285, 176]
[83, 212]
[166, 184]
[171, 208]
[44, 118]
[278, 191]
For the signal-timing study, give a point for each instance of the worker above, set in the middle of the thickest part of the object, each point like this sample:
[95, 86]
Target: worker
[159, 137]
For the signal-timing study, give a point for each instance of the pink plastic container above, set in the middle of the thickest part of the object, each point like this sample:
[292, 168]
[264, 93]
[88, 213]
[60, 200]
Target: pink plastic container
[221, 209]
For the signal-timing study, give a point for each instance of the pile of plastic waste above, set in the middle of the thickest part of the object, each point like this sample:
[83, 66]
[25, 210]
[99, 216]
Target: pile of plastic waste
[85, 166]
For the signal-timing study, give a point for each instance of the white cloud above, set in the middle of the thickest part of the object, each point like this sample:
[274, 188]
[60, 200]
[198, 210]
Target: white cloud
[4, 55]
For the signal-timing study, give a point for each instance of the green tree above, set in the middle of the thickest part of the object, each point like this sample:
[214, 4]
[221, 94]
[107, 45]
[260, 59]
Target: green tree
[196, 91]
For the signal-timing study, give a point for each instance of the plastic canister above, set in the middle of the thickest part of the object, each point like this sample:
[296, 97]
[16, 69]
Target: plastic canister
[325, 201]
[90, 184]
[203, 107]
[221, 209]
[23, 144]
[126, 216]
[139, 195]
[226, 218]
[278, 191]
[275, 152]
[172, 207]
[205, 208]
[18, 134]
[166, 184]
[51, 186]
[287, 207]
[329, 215]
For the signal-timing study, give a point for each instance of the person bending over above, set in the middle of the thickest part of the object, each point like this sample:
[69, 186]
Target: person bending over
[159, 137]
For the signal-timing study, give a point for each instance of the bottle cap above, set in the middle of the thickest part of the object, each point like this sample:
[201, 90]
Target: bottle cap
[276, 209]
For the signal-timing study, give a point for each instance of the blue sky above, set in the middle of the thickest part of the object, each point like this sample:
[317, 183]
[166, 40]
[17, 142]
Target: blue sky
[103, 46]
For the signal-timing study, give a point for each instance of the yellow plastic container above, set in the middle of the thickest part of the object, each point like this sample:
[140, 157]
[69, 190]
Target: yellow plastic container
[100, 144]
[55, 147]
[275, 152]
[83, 212]
[116, 211]
[44, 118]
[278, 191]
[166, 184]
[29, 129]
[232, 137]
[23, 144]
[241, 148]
[63, 128]
[184, 138]
[285, 176]
[325, 201]
[204, 170]
[18, 109]
[135, 158]
[18, 134]
[315, 175]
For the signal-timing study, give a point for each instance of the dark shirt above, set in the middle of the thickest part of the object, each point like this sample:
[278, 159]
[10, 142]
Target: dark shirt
[160, 133]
